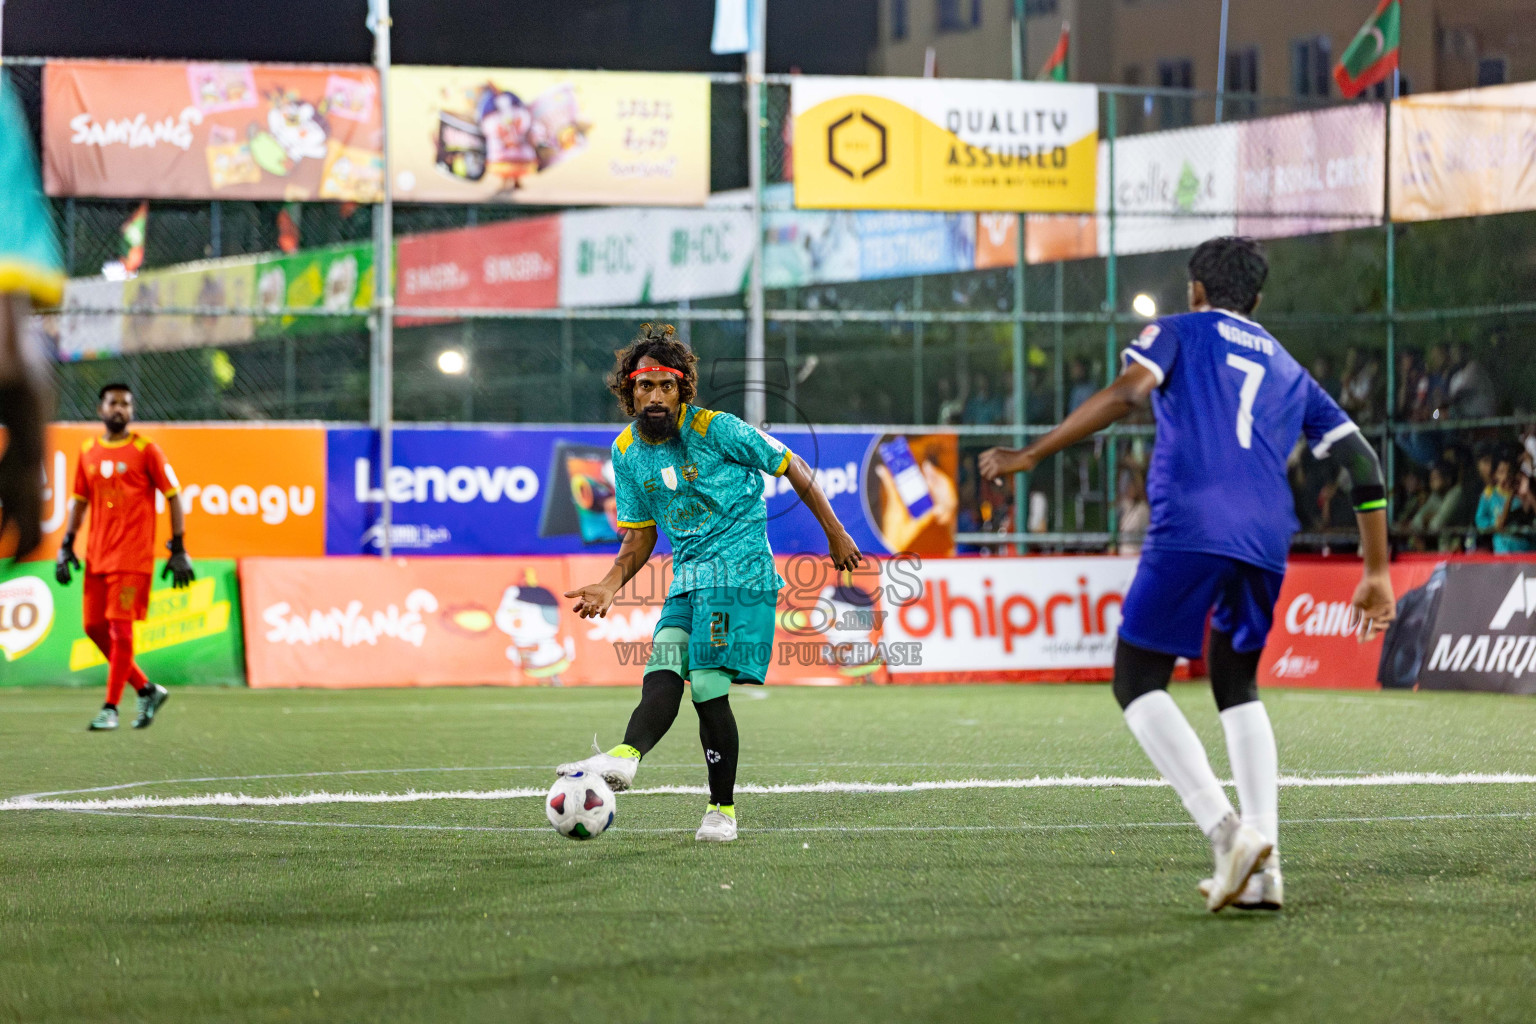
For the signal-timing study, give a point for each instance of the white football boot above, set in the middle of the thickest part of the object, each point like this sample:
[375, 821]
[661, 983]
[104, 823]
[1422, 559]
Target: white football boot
[1238, 850]
[618, 772]
[717, 827]
[1265, 889]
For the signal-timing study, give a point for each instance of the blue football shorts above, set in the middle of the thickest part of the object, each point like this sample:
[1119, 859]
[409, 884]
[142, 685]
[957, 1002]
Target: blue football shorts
[1174, 591]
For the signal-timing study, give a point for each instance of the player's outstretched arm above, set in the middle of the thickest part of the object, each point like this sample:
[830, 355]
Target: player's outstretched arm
[67, 557]
[844, 552]
[1114, 403]
[594, 600]
[1373, 601]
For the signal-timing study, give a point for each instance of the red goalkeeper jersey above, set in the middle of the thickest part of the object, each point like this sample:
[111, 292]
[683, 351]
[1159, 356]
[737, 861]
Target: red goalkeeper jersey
[119, 480]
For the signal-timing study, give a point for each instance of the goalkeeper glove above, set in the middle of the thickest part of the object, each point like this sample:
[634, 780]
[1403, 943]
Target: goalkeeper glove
[65, 560]
[178, 567]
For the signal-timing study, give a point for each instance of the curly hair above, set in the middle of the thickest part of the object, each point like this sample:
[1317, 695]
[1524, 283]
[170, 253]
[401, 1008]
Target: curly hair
[660, 342]
[1233, 270]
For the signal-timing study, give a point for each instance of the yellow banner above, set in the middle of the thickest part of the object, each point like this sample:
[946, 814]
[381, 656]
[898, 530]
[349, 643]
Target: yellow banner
[944, 144]
[1464, 154]
[175, 617]
[496, 135]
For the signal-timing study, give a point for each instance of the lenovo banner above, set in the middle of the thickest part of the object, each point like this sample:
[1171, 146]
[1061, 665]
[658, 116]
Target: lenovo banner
[549, 490]
[1314, 640]
[211, 131]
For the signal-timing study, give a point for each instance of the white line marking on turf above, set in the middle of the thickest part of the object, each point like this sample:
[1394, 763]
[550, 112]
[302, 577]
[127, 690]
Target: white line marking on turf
[1038, 782]
[843, 829]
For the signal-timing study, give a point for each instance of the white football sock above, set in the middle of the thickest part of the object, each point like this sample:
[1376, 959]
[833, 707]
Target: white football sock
[1251, 749]
[1163, 732]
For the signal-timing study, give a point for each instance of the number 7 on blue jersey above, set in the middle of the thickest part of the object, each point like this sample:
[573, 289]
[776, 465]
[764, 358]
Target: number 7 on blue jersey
[1253, 376]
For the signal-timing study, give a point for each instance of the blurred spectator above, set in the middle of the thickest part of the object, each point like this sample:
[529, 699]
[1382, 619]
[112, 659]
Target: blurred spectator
[1411, 497]
[1410, 377]
[1470, 391]
[982, 407]
[1322, 372]
[1362, 386]
[950, 403]
[1432, 527]
[1433, 385]
[1502, 508]
[1135, 512]
[1081, 381]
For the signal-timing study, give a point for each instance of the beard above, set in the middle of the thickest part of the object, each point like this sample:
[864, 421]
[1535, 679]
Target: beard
[656, 423]
[116, 424]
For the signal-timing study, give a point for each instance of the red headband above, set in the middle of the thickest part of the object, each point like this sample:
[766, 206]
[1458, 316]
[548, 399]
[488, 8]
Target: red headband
[653, 369]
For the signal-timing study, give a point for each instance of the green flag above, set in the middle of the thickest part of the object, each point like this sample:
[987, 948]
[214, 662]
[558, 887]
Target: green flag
[1372, 55]
[1055, 69]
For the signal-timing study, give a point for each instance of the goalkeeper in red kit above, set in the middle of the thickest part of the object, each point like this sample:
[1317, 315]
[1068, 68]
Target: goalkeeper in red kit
[117, 479]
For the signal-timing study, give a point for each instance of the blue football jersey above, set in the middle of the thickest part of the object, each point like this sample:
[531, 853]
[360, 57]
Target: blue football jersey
[1230, 404]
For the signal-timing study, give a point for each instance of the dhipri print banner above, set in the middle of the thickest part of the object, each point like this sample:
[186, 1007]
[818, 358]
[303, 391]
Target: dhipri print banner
[549, 138]
[929, 144]
[211, 131]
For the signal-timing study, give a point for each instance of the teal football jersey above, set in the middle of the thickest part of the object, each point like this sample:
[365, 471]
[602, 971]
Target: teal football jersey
[29, 252]
[704, 490]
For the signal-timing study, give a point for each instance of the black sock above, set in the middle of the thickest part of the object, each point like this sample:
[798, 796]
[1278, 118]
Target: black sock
[109, 707]
[661, 694]
[717, 731]
[149, 688]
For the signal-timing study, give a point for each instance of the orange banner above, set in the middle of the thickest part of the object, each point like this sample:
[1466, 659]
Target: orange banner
[444, 621]
[246, 490]
[211, 131]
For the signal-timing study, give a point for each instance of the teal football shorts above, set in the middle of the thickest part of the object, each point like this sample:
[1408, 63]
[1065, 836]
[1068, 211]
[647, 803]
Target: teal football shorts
[729, 630]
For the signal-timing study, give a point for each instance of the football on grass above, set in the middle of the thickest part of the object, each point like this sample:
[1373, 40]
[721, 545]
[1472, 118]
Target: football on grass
[580, 806]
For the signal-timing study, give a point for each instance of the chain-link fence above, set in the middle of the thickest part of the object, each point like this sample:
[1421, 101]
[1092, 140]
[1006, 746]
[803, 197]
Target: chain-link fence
[1418, 329]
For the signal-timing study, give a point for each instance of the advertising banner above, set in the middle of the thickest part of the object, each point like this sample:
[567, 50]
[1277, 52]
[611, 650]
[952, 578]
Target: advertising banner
[511, 265]
[1172, 190]
[1311, 172]
[549, 490]
[629, 257]
[1313, 640]
[1048, 237]
[1013, 618]
[90, 335]
[804, 247]
[950, 144]
[1464, 154]
[211, 131]
[338, 277]
[1484, 633]
[226, 284]
[549, 138]
[245, 489]
[191, 638]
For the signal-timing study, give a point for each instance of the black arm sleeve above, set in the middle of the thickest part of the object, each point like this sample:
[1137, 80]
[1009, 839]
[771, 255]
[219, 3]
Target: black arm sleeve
[1354, 454]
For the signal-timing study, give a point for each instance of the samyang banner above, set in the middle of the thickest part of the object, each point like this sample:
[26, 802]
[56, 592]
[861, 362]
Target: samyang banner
[549, 138]
[944, 144]
[211, 131]
[549, 490]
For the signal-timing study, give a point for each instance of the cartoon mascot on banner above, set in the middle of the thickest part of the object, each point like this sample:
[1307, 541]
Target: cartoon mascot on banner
[530, 615]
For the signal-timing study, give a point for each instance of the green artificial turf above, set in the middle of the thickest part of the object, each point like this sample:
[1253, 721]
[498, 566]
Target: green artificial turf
[1405, 903]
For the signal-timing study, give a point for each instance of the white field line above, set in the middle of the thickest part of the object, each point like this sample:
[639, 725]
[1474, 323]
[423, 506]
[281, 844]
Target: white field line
[834, 829]
[1037, 782]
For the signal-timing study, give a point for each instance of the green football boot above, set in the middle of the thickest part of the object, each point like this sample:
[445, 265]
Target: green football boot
[158, 695]
[105, 719]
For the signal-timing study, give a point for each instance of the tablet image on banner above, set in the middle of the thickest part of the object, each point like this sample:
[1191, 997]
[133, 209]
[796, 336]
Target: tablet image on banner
[581, 497]
[910, 493]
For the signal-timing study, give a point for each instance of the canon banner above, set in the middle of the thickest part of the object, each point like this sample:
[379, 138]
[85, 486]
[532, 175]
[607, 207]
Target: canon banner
[549, 138]
[211, 131]
[950, 144]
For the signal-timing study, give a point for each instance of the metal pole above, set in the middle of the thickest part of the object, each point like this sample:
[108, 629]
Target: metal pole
[1391, 309]
[1221, 62]
[383, 282]
[1111, 300]
[1059, 408]
[917, 353]
[1020, 348]
[216, 228]
[755, 404]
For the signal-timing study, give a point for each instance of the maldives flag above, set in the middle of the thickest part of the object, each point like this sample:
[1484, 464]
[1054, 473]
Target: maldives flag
[134, 230]
[1055, 69]
[1372, 55]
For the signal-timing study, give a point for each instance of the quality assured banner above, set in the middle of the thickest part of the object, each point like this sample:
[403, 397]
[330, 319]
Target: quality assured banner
[1314, 640]
[1464, 154]
[245, 489]
[944, 144]
[191, 638]
[211, 131]
[499, 135]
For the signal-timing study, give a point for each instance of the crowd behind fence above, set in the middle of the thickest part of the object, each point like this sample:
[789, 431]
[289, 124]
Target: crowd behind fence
[1419, 329]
